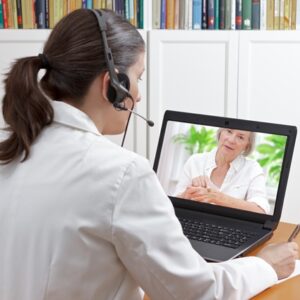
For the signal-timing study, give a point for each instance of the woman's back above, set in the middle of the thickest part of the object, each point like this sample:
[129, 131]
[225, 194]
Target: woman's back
[56, 214]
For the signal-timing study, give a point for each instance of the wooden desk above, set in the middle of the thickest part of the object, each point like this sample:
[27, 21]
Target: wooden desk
[289, 289]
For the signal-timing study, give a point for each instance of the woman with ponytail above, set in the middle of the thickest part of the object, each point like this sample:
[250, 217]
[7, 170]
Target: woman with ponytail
[81, 217]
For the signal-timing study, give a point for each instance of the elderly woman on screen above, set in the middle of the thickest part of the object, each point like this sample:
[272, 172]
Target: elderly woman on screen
[225, 176]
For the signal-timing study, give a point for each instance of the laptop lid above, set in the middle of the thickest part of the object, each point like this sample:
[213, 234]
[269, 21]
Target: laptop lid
[186, 136]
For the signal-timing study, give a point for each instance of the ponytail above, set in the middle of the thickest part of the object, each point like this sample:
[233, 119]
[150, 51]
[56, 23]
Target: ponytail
[25, 109]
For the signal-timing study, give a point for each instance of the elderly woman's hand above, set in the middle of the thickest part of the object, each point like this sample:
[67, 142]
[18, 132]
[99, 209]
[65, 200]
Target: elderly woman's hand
[201, 181]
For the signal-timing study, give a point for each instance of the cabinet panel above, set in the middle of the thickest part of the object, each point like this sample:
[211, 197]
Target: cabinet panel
[19, 43]
[192, 71]
[269, 91]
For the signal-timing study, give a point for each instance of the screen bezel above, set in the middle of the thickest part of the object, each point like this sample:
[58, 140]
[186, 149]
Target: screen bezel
[263, 127]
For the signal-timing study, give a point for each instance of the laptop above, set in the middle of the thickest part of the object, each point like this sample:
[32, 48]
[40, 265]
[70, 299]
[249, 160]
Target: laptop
[224, 219]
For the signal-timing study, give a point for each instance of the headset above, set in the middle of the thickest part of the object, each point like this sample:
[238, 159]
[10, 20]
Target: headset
[118, 89]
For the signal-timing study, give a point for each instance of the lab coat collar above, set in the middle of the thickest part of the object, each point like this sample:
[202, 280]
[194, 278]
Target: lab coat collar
[69, 115]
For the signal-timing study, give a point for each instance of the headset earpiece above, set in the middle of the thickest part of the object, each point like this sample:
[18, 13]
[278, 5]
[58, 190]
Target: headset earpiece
[115, 95]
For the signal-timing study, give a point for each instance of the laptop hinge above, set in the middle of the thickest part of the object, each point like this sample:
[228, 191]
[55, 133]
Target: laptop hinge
[269, 225]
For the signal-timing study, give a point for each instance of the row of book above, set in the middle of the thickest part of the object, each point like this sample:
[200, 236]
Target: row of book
[226, 14]
[30, 14]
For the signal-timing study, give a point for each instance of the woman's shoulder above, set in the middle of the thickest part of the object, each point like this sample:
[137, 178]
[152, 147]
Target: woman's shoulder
[252, 164]
[105, 151]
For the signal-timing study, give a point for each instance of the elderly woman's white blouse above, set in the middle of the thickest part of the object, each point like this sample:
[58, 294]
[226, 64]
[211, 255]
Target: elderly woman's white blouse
[245, 178]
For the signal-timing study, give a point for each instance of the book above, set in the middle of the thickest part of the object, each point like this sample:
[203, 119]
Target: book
[228, 14]
[233, 15]
[89, 4]
[176, 18]
[263, 14]
[217, 14]
[1, 16]
[40, 13]
[204, 14]
[238, 14]
[298, 15]
[256, 14]
[155, 14]
[19, 14]
[211, 14]
[222, 14]
[247, 14]
[163, 16]
[293, 10]
[281, 14]
[170, 14]
[140, 14]
[287, 15]
[4, 13]
[197, 14]
[181, 14]
[270, 15]
[276, 14]
[12, 14]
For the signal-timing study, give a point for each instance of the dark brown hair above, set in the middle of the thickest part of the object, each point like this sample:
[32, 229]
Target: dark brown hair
[74, 56]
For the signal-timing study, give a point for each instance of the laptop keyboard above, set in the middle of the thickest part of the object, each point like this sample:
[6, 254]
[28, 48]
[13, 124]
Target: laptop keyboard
[215, 234]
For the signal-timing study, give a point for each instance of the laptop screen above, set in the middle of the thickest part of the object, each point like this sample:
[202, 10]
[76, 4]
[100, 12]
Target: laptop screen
[224, 162]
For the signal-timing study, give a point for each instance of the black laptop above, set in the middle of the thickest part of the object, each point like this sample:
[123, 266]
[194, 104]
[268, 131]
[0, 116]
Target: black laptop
[187, 147]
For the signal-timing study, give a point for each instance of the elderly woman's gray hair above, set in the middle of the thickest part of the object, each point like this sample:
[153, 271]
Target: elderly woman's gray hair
[251, 145]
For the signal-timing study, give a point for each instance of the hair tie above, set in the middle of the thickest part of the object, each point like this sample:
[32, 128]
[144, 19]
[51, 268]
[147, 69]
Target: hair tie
[44, 61]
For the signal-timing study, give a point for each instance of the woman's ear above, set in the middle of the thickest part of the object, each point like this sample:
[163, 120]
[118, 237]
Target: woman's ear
[105, 82]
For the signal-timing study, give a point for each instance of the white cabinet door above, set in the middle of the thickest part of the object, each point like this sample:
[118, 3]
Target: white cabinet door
[192, 71]
[19, 43]
[269, 90]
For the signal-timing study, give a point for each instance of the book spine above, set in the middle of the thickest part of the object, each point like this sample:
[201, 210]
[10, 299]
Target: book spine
[281, 14]
[83, 5]
[1, 15]
[222, 14]
[211, 14]
[140, 14]
[228, 14]
[181, 14]
[40, 13]
[186, 14]
[109, 4]
[156, 14]
[163, 11]
[217, 14]
[19, 14]
[5, 13]
[287, 15]
[293, 10]
[176, 14]
[197, 13]
[246, 14]
[204, 14]
[190, 14]
[298, 15]
[89, 4]
[170, 21]
[233, 15]
[14, 13]
[276, 14]
[256, 14]
[263, 14]
[270, 15]
[238, 14]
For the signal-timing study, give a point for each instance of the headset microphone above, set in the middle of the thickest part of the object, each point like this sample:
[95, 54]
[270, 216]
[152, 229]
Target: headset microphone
[121, 107]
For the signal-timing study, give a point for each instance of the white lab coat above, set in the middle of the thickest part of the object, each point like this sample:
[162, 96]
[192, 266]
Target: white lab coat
[85, 219]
